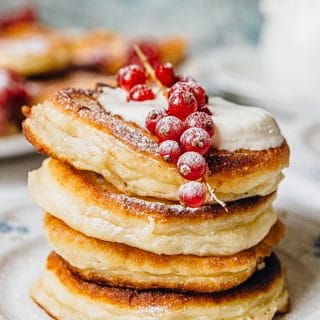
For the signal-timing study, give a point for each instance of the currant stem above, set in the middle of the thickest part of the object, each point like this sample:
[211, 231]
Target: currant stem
[149, 69]
[214, 197]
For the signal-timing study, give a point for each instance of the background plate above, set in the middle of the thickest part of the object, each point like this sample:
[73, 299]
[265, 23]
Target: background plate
[14, 145]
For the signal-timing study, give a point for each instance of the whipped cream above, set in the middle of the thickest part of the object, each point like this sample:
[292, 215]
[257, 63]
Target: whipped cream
[237, 127]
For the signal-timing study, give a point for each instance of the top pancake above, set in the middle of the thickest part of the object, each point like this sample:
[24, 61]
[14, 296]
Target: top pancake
[72, 126]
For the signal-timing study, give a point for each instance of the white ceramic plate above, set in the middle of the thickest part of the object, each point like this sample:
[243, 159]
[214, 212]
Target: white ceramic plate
[15, 145]
[239, 72]
[24, 250]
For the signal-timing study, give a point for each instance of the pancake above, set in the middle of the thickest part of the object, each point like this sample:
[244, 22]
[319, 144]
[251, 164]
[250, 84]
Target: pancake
[31, 50]
[108, 50]
[66, 296]
[99, 48]
[88, 203]
[123, 266]
[72, 126]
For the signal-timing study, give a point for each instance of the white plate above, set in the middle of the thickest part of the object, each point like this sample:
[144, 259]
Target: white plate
[24, 250]
[15, 145]
[239, 72]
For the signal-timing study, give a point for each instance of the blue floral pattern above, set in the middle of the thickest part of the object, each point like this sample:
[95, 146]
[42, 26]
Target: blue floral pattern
[7, 227]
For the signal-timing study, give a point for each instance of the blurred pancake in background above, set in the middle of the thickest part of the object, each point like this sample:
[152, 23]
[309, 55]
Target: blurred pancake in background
[108, 51]
[33, 49]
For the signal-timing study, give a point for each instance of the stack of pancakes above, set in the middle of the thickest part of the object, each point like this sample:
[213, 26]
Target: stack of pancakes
[124, 248]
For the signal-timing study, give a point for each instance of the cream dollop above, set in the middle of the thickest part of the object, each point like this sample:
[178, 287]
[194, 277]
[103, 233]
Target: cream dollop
[237, 127]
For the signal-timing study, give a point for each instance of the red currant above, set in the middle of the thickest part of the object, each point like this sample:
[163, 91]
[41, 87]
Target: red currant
[193, 87]
[199, 93]
[196, 139]
[165, 74]
[201, 120]
[141, 92]
[181, 104]
[169, 128]
[192, 194]
[192, 165]
[153, 117]
[130, 76]
[170, 151]
[179, 86]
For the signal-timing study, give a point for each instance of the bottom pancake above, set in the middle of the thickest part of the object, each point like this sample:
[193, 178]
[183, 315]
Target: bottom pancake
[116, 264]
[65, 296]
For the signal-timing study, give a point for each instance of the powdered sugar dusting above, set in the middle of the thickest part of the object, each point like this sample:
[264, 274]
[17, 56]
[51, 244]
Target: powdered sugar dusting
[192, 188]
[86, 106]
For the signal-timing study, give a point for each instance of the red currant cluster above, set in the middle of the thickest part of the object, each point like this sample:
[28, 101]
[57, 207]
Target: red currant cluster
[185, 132]
[13, 94]
[133, 79]
[184, 129]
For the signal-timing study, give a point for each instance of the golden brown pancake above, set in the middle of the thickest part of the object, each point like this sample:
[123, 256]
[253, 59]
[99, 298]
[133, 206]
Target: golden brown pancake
[32, 49]
[73, 127]
[123, 266]
[66, 296]
[88, 203]
[108, 50]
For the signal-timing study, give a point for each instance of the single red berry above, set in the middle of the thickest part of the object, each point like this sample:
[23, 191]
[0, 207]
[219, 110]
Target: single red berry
[169, 128]
[192, 165]
[200, 120]
[194, 87]
[192, 194]
[130, 76]
[181, 104]
[165, 74]
[179, 86]
[199, 93]
[153, 117]
[141, 92]
[170, 151]
[195, 139]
